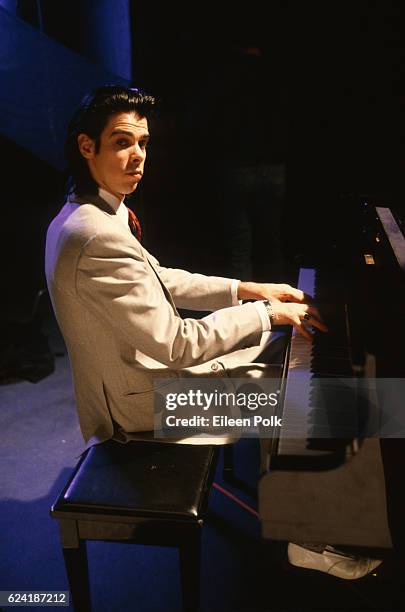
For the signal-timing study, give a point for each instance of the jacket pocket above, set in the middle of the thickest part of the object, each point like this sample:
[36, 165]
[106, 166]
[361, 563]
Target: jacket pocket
[149, 382]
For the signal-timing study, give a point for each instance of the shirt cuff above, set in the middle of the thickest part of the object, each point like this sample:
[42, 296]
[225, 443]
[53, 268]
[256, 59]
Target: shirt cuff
[234, 293]
[261, 309]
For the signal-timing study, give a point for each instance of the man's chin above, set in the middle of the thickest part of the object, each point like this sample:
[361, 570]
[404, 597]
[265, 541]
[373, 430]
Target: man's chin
[130, 188]
[126, 192]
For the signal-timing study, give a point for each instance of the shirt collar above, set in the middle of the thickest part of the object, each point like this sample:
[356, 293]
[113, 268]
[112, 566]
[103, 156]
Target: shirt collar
[112, 200]
[116, 204]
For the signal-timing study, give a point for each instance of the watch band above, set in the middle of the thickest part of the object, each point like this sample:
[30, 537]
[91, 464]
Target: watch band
[270, 312]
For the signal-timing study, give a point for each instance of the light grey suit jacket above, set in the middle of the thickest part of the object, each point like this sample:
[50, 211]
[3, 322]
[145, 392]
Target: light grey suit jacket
[116, 308]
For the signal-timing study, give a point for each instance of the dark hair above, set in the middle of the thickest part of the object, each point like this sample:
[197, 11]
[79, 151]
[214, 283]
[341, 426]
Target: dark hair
[90, 118]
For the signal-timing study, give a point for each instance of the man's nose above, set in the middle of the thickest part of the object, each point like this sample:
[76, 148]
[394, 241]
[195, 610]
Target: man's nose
[137, 153]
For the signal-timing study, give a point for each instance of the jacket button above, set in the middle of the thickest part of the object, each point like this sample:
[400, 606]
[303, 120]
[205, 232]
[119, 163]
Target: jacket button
[214, 367]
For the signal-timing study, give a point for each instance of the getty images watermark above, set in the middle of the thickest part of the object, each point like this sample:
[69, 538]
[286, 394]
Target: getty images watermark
[235, 407]
[220, 399]
[338, 408]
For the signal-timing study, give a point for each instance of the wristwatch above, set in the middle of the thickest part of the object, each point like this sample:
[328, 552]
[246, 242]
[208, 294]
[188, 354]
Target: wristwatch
[270, 312]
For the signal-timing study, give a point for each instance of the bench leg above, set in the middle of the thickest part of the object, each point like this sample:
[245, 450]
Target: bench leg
[228, 469]
[75, 555]
[190, 566]
[78, 576]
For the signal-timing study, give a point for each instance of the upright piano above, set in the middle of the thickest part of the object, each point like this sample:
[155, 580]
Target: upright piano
[323, 476]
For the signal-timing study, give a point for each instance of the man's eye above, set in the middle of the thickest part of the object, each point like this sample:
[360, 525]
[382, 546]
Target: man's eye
[122, 142]
[143, 144]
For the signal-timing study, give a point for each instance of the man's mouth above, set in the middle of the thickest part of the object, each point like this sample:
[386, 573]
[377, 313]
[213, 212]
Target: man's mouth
[135, 173]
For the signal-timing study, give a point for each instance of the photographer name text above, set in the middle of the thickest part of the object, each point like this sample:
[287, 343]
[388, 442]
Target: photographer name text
[222, 421]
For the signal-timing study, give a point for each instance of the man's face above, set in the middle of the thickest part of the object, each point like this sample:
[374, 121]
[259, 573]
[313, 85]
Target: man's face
[118, 165]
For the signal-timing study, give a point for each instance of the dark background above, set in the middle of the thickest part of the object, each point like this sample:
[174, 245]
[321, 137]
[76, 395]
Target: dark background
[336, 73]
[335, 77]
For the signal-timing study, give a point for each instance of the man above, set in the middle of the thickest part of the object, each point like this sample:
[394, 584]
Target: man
[117, 306]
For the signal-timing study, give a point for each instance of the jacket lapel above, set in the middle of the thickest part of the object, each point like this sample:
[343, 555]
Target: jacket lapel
[92, 199]
[165, 289]
[103, 205]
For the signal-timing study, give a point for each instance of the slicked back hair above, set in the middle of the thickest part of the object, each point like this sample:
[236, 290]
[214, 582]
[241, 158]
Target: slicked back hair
[91, 117]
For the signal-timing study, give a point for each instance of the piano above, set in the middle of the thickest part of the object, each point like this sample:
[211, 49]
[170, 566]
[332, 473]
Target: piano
[323, 477]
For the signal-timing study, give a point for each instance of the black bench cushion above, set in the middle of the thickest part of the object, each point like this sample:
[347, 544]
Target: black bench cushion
[159, 480]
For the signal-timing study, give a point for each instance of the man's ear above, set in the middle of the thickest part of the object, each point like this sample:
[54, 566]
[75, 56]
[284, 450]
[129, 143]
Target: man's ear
[86, 146]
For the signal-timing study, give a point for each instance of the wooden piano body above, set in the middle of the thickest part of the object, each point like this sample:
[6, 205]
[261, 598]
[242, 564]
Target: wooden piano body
[334, 492]
[345, 505]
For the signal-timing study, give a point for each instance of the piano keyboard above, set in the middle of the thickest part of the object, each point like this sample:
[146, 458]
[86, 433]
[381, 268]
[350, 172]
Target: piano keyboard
[318, 410]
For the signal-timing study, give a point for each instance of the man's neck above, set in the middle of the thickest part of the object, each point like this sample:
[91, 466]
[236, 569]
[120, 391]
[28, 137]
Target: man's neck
[113, 200]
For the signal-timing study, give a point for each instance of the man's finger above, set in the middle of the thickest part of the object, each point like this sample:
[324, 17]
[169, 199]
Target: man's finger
[314, 322]
[314, 312]
[298, 296]
[300, 327]
[313, 318]
[302, 330]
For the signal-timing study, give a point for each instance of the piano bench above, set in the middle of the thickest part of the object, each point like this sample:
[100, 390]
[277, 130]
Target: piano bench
[148, 493]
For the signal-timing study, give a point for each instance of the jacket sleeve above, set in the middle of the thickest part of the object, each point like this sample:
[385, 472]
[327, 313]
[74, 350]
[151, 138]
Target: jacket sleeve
[116, 283]
[192, 290]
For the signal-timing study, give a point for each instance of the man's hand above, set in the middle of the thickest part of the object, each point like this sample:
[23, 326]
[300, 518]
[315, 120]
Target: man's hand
[302, 316]
[271, 291]
[300, 313]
